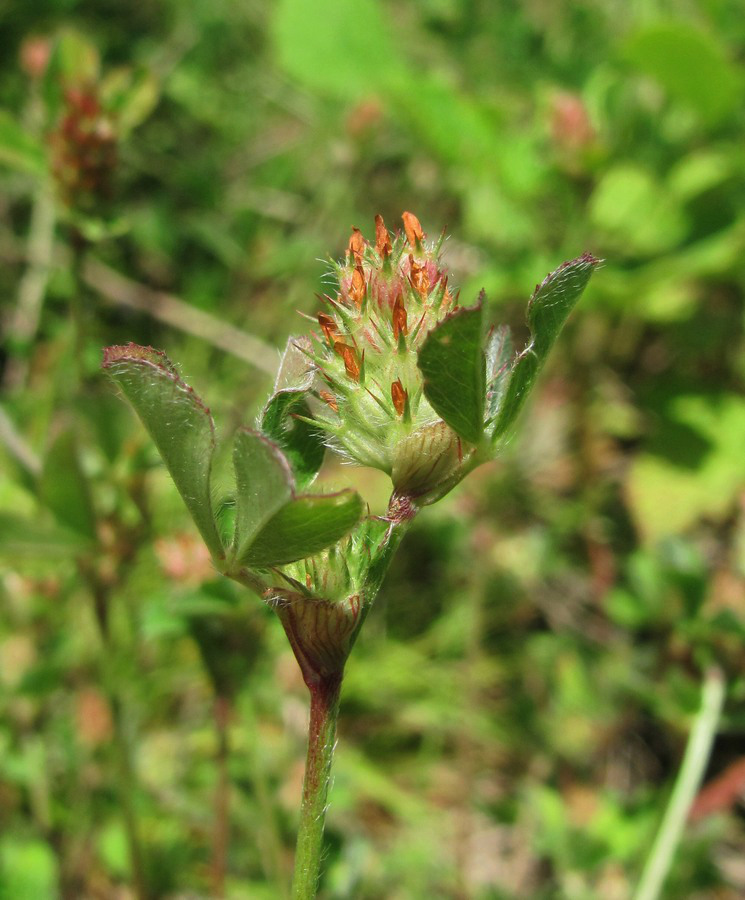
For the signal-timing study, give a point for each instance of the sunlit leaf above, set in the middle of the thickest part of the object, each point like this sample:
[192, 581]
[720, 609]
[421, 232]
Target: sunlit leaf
[342, 49]
[453, 367]
[548, 310]
[130, 95]
[301, 443]
[690, 64]
[264, 484]
[303, 527]
[692, 467]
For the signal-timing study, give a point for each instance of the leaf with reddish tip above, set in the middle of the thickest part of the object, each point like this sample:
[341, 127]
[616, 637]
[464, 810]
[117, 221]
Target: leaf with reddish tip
[548, 310]
[179, 424]
[453, 367]
[304, 526]
[264, 484]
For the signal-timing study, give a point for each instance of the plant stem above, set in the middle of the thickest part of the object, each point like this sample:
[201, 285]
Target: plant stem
[33, 284]
[77, 301]
[221, 836]
[175, 312]
[324, 709]
[127, 786]
[686, 785]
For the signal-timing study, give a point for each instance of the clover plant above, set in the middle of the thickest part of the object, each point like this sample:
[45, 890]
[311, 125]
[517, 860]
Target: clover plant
[398, 376]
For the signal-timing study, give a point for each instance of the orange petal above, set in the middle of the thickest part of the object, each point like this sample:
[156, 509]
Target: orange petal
[400, 321]
[329, 398]
[399, 395]
[382, 238]
[412, 228]
[356, 245]
[350, 360]
[419, 278]
[357, 290]
[328, 325]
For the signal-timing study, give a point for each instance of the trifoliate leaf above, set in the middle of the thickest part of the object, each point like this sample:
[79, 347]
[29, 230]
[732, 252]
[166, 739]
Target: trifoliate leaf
[179, 424]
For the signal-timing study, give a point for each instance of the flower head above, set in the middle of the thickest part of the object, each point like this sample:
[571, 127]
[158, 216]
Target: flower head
[391, 293]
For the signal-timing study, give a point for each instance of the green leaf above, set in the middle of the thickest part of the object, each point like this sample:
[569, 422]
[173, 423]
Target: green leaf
[692, 468]
[691, 65]
[453, 367]
[548, 310]
[637, 212]
[303, 527]
[29, 868]
[19, 149]
[20, 536]
[64, 487]
[178, 422]
[264, 484]
[301, 443]
[74, 61]
[500, 353]
[130, 95]
[343, 49]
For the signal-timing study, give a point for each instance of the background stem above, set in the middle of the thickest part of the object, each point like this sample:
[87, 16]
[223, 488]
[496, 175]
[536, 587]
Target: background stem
[687, 784]
[324, 709]
[127, 786]
[32, 287]
[221, 836]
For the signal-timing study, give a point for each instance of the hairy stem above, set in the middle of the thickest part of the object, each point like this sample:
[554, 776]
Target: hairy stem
[686, 785]
[324, 709]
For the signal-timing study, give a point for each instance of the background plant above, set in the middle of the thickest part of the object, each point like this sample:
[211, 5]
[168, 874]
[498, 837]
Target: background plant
[544, 691]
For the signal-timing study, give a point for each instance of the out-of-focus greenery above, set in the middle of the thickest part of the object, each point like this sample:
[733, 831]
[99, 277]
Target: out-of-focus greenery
[517, 705]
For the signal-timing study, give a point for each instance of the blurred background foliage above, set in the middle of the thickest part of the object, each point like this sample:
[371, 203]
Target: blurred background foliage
[518, 703]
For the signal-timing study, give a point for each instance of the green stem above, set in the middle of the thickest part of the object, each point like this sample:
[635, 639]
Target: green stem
[221, 835]
[32, 287]
[127, 786]
[77, 300]
[266, 828]
[686, 785]
[324, 709]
